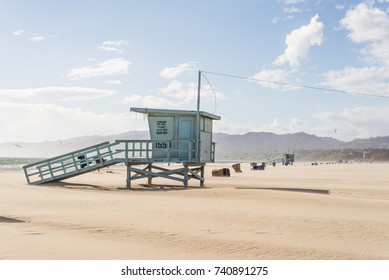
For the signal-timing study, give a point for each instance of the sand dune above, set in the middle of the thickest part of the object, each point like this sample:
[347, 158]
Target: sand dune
[293, 212]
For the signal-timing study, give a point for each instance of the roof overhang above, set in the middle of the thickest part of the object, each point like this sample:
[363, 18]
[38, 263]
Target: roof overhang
[169, 112]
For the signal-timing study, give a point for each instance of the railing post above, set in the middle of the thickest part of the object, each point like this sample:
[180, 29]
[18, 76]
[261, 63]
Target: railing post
[50, 170]
[26, 175]
[169, 150]
[110, 152]
[74, 162]
[126, 152]
[63, 167]
[99, 156]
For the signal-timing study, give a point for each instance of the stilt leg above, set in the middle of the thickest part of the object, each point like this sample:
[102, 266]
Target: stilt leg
[202, 176]
[149, 178]
[128, 185]
[185, 176]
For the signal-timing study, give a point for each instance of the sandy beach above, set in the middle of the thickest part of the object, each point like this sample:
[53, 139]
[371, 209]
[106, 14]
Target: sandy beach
[335, 211]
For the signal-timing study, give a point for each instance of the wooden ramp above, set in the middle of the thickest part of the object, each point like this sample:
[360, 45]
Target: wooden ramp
[132, 153]
[71, 164]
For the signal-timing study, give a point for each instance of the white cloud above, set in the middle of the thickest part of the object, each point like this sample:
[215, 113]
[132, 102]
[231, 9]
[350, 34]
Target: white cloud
[366, 23]
[226, 125]
[113, 82]
[18, 32]
[39, 122]
[150, 101]
[187, 92]
[367, 80]
[50, 94]
[339, 6]
[113, 46]
[376, 53]
[299, 41]
[37, 38]
[352, 123]
[109, 49]
[117, 43]
[277, 126]
[176, 95]
[273, 75]
[290, 2]
[109, 67]
[278, 19]
[173, 72]
[291, 10]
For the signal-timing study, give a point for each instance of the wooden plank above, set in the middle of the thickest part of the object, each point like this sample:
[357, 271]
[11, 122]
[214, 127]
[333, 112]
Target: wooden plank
[147, 174]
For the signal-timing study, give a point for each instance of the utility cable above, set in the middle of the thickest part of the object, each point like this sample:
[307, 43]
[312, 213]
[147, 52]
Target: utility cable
[294, 85]
[214, 93]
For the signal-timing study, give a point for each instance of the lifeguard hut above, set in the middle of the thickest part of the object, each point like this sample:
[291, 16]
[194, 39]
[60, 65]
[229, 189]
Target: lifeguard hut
[176, 136]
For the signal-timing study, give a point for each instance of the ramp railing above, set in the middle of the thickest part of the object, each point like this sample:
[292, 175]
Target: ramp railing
[105, 154]
[70, 164]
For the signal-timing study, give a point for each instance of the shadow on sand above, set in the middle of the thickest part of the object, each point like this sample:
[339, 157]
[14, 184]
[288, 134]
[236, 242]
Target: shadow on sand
[75, 186]
[140, 187]
[160, 187]
[316, 191]
[10, 220]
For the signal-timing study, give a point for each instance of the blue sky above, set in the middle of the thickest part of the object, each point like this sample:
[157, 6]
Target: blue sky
[74, 68]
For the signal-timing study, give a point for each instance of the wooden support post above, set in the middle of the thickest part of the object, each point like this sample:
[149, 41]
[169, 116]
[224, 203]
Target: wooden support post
[128, 182]
[150, 178]
[202, 176]
[186, 177]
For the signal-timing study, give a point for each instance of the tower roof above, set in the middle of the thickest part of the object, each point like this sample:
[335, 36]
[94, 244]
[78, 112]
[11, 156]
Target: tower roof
[169, 112]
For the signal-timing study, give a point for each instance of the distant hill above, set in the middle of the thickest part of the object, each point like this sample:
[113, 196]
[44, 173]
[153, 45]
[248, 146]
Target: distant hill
[268, 145]
[252, 146]
[371, 143]
[264, 146]
[344, 155]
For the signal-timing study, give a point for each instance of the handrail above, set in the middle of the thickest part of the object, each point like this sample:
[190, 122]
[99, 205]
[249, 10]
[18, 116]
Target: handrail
[172, 146]
[67, 154]
[100, 155]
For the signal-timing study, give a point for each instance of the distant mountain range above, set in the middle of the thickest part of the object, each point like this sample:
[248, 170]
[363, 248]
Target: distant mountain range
[266, 146]
[252, 146]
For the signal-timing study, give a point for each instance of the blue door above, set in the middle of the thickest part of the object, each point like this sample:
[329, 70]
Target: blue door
[185, 133]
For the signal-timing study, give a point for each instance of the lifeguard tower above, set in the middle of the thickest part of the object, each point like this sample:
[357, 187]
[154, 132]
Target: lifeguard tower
[176, 136]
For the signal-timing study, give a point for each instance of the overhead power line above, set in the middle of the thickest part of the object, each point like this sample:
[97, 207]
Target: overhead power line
[214, 93]
[294, 85]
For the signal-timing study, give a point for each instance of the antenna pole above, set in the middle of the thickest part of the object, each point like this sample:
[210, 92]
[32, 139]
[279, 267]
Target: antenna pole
[198, 92]
[198, 119]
